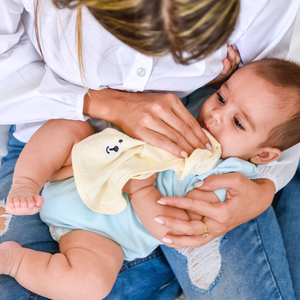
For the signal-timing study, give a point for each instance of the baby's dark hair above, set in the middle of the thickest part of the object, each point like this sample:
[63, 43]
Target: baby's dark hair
[284, 79]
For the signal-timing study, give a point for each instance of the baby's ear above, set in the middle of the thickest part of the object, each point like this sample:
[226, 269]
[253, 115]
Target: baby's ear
[265, 156]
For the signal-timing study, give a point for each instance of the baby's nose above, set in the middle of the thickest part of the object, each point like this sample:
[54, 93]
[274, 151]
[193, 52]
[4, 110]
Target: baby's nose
[217, 116]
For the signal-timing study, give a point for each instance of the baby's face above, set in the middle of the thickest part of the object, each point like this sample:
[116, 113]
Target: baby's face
[240, 114]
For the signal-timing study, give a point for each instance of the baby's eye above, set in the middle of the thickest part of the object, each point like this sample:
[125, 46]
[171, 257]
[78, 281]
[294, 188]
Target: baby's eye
[238, 124]
[220, 98]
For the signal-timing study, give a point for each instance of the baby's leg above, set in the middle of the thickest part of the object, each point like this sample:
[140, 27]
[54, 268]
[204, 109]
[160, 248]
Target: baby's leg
[47, 151]
[86, 268]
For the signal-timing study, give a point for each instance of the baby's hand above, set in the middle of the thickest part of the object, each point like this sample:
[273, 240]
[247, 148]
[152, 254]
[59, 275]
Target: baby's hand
[134, 185]
[23, 200]
[230, 65]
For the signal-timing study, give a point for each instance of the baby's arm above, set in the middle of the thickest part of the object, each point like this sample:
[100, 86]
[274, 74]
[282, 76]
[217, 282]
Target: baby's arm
[47, 155]
[198, 194]
[144, 197]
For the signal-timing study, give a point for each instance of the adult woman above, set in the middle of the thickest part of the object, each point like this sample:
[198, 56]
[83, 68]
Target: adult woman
[50, 91]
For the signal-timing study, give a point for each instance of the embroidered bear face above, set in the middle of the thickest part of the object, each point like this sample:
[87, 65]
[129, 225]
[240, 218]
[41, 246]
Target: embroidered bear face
[112, 148]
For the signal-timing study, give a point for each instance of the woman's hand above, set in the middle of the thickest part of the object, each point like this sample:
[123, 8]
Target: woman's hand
[158, 119]
[230, 65]
[246, 199]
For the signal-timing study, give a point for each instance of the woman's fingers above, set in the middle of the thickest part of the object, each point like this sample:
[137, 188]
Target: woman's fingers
[180, 149]
[230, 63]
[194, 227]
[158, 119]
[233, 56]
[226, 67]
[245, 200]
[167, 136]
[194, 233]
[182, 241]
[189, 128]
[216, 217]
[163, 121]
[197, 206]
[231, 182]
[174, 121]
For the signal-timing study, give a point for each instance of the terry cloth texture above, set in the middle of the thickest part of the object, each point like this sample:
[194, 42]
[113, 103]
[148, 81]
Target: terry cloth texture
[104, 162]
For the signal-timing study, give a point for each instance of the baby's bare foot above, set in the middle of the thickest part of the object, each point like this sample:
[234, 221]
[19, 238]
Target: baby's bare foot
[24, 198]
[6, 258]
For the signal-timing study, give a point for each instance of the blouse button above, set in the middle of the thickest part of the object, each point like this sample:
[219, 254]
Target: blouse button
[141, 72]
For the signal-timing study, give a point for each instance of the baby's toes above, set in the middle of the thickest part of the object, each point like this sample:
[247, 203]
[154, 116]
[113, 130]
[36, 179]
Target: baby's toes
[17, 201]
[10, 203]
[30, 201]
[39, 200]
[24, 202]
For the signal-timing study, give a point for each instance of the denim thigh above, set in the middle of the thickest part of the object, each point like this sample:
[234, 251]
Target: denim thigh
[288, 215]
[149, 278]
[253, 265]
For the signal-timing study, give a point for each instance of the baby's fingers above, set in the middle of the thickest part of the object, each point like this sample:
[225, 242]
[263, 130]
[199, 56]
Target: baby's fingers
[226, 66]
[233, 56]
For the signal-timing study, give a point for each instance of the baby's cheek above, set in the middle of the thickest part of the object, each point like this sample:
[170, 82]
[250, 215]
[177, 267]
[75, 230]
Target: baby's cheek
[229, 149]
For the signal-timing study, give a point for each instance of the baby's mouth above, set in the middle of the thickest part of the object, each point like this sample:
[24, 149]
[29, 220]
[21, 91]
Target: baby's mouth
[205, 127]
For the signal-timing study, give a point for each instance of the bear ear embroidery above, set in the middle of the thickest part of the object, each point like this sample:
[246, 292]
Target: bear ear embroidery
[112, 149]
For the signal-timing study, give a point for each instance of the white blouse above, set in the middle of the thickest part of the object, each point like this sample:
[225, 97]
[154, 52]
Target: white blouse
[31, 92]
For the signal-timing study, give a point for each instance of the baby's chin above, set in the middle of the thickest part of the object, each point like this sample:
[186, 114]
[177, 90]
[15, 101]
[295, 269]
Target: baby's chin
[224, 156]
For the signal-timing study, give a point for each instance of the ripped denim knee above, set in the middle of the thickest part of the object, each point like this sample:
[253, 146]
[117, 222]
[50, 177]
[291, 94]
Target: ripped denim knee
[4, 218]
[204, 263]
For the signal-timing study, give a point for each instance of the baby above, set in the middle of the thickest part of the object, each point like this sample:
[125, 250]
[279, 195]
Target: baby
[254, 116]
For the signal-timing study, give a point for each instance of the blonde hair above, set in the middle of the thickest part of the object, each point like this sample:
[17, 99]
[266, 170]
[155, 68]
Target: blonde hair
[188, 29]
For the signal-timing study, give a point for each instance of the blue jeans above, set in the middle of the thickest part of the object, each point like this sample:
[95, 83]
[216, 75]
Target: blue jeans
[254, 260]
[287, 212]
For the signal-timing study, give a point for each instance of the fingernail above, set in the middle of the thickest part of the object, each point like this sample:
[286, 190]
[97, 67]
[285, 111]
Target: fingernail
[168, 241]
[198, 183]
[208, 146]
[160, 202]
[158, 220]
[184, 154]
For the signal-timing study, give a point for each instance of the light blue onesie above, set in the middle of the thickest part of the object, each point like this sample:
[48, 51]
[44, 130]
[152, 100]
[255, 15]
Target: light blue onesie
[63, 210]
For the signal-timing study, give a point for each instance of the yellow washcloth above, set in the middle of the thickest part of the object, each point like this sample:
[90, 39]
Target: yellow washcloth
[104, 162]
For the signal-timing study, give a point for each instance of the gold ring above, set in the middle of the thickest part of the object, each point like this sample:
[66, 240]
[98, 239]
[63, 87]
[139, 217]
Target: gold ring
[205, 233]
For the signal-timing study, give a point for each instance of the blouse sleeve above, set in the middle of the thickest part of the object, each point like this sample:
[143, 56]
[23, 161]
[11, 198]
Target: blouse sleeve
[282, 170]
[30, 92]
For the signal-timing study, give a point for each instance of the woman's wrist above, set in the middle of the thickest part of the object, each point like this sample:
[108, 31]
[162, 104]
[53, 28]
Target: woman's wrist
[103, 104]
[268, 189]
